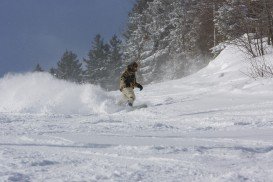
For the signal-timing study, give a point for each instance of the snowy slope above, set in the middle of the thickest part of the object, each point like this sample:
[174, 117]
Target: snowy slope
[215, 125]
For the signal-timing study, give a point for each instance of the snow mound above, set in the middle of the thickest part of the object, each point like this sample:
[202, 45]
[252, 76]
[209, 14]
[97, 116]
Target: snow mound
[229, 72]
[42, 93]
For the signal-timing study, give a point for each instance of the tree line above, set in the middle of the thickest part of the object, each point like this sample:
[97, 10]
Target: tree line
[251, 18]
[102, 67]
[172, 38]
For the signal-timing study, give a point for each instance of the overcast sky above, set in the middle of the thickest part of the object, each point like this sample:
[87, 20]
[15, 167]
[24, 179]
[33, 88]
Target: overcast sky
[39, 31]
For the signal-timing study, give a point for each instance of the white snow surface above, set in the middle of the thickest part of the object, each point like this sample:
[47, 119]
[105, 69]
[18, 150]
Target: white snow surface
[215, 125]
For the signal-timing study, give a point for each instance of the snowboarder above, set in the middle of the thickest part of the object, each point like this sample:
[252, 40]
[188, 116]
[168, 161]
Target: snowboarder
[128, 83]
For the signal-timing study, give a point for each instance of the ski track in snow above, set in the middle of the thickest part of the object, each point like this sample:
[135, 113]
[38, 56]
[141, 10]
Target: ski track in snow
[204, 127]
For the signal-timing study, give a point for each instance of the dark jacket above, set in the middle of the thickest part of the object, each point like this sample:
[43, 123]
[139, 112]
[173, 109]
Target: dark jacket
[128, 78]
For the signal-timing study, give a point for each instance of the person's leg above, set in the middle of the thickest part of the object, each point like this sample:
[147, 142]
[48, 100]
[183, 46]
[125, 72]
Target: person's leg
[129, 95]
[132, 97]
[123, 100]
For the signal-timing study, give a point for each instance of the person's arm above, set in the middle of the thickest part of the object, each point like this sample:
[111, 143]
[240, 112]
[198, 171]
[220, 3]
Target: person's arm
[138, 85]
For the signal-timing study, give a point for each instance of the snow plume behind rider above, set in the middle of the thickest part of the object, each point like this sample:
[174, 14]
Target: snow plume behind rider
[41, 93]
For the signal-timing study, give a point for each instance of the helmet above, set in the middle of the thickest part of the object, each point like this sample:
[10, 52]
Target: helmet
[133, 66]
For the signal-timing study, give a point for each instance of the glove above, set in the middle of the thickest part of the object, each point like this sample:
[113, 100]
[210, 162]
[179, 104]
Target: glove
[140, 87]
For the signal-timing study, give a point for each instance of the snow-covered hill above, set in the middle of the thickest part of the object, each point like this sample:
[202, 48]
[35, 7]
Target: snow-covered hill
[215, 125]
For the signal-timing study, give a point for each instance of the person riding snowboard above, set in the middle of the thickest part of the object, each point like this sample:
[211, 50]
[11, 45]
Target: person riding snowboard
[128, 83]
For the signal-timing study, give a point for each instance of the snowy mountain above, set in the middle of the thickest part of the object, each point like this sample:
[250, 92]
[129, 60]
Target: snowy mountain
[215, 125]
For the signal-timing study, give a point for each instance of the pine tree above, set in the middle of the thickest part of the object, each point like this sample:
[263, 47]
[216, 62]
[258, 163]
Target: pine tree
[96, 71]
[69, 68]
[53, 71]
[38, 68]
[114, 67]
[136, 36]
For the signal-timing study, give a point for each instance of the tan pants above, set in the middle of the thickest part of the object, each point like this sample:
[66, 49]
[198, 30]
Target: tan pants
[128, 96]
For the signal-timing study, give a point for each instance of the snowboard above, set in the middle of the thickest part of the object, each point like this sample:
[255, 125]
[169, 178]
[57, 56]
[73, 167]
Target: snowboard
[139, 106]
[134, 107]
